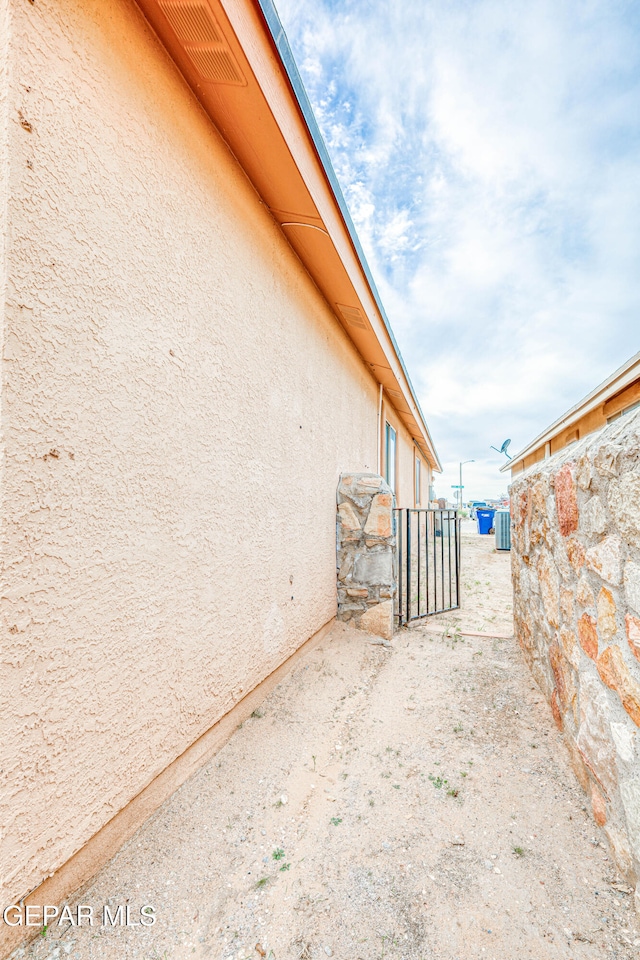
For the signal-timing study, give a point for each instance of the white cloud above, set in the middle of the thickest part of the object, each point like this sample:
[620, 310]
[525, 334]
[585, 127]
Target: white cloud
[489, 154]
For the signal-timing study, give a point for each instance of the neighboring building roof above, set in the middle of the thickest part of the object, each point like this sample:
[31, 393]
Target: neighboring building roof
[611, 397]
[236, 58]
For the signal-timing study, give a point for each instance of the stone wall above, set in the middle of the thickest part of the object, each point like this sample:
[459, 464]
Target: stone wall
[576, 576]
[366, 553]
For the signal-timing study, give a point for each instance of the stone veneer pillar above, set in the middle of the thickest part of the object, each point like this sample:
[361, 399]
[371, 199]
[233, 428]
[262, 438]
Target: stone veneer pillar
[366, 547]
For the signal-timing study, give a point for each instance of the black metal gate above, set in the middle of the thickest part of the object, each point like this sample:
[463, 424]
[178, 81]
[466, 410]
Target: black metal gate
[428, 570]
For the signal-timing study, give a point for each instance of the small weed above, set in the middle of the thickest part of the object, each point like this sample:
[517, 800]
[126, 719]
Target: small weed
[396, 786]
[278, 804]
[453, 792]
[262, 882]
[314, 762]
[278, 853]
[372, 802]
[285, 866]
[464, 773]
[438, 782]
[518, 851]
[336, 820]
[458, 728]
[257, 714]
[43, 932]
[343, 776]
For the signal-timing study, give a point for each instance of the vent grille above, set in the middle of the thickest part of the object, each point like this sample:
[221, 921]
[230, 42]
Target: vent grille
[203, 40]
[502, 523]
[214, 64]
[191, 21]
[352, 316]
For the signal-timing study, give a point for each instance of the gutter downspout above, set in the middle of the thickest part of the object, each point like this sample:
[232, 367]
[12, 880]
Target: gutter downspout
[380, 432]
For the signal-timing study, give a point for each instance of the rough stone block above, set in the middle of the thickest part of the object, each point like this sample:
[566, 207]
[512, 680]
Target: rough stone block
[570, 648]
[549, 588]
[584, 594]
[615, 673]
[380, 520]
[606, 460]
[566, 501]
[374, 567]
[594, 734]
[593, 519]
[624, 503]
[368, 483]
[599, 806]
[588, 635]
[378, 620]
[607, 626]
[633, 634]
[624, 739]
[632, 584]
[562, 676]
[606, 560]
[630, 794]
[583, 473]
[348, 517]
[566, 605]
[575, 554]
[357, 592]
[346, 566]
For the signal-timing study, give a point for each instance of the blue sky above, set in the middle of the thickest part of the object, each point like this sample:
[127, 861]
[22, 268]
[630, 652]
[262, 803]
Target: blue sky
[490, 156]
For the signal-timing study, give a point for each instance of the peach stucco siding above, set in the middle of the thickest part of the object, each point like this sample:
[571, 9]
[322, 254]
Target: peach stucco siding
[178, 402]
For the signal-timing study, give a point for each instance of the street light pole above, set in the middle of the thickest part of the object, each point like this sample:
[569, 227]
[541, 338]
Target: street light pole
[460, 487]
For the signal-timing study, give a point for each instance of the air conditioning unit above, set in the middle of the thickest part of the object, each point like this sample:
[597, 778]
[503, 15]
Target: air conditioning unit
[502, 523]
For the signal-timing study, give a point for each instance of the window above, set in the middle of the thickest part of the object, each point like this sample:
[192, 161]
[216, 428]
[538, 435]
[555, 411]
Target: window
[390, 456]
[418, 465]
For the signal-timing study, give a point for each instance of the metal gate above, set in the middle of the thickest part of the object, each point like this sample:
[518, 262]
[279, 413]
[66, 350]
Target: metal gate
[428, 571]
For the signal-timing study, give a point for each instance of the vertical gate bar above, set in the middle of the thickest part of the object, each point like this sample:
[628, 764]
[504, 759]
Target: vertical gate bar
[408, 565]
[418, 516]
[449, 547]
[435, 564]
[442, 554]
[400, 557]
[426, 561]
[458, 521]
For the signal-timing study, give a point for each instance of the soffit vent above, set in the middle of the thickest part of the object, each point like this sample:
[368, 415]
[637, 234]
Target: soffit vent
[215, 64]
[203, 41]
[191, 21]
[352, 316]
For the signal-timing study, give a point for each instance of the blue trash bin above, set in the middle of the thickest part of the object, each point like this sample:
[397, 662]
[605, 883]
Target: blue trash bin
[485, 520]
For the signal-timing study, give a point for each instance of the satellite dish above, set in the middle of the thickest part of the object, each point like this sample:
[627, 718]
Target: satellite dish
[503, 449]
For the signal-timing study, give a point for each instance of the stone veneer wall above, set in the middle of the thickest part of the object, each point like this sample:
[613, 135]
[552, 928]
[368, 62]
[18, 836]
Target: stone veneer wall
[366, 553]
[576, 576]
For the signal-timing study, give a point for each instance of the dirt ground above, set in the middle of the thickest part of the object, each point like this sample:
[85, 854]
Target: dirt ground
[408, 803]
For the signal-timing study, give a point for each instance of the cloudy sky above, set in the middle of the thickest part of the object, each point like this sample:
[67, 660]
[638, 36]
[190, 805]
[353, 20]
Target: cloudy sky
[489, 151]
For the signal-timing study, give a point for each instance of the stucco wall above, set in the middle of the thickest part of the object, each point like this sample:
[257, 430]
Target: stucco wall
[405, 461]
[576, 574]
[178, 403]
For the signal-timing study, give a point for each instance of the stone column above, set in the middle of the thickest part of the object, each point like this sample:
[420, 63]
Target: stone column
[366, 548]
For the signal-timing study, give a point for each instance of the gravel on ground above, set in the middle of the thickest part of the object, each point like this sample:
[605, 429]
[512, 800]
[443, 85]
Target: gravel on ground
[406, 802]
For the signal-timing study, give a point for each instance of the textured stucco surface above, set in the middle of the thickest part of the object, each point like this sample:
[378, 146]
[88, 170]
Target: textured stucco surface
[177, 405]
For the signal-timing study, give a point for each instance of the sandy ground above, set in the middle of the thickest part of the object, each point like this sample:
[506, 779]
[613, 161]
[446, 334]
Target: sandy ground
[413, 802]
